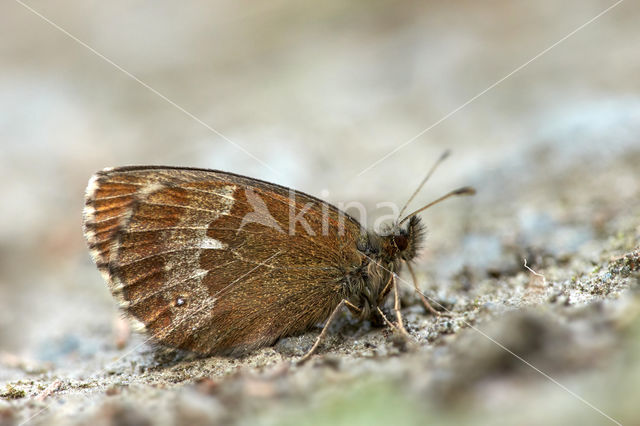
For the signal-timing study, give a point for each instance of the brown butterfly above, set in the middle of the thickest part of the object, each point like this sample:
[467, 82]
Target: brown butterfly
[218, 263]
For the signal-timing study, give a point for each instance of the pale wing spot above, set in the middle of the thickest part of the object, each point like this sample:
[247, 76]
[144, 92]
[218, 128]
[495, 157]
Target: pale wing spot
[150, 189]
[106, 276]
[92, 187]
[89, 212]
[108, 219]
[94, 253]
[200, 273]
[181, 206]
[227, 191]
[211, 243]
[113, 197]
[137, 326]
[116, 286]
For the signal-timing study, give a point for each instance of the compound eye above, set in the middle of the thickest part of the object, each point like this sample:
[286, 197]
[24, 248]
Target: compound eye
[401, 241]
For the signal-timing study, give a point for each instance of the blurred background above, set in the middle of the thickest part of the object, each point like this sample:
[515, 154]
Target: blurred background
[544, 120]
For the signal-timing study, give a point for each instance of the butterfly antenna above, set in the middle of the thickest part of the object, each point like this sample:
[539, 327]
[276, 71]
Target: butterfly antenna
[426, 178]
[466, 190]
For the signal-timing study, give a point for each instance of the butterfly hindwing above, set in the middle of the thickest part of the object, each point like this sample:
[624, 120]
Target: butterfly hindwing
[207, 261]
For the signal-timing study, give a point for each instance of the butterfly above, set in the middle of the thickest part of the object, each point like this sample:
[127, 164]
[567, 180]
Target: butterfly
[221, 264]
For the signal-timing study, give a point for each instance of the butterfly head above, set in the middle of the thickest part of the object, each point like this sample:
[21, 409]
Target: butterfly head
[403, 241]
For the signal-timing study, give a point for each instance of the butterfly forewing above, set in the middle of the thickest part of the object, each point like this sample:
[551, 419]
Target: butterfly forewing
[207, 261]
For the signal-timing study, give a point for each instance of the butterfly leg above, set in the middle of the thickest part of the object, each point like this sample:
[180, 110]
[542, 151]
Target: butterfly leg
[386, 320]
[396, 308]
[344, 302]
[385, 290]
[400, 326]
[424, 299]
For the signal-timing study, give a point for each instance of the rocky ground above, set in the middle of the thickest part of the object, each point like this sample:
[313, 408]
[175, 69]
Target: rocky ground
[555, 343]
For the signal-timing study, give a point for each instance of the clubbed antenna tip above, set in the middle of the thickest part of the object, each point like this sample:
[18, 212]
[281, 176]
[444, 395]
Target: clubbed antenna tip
[465, 190]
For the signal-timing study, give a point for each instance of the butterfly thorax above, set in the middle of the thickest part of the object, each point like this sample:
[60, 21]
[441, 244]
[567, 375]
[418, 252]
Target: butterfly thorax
[383, 254]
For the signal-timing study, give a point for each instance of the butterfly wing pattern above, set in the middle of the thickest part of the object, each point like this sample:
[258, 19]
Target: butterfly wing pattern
[217, 263]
